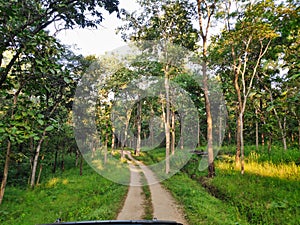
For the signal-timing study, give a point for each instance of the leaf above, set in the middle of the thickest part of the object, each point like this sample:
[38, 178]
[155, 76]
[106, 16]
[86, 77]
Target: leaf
[270, 108]
[49, 128]
[251, 94]
[41, 122]
[39, 62]
[295, 76]
[36, 138]
[67, 80]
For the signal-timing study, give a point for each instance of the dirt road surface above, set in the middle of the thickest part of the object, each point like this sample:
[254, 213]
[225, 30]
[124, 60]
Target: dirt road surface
[133, 208]
[164, 205]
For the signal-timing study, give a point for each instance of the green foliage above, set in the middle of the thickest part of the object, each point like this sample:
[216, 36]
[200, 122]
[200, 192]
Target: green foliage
[171, 21]
[268, 196]
[96, 199]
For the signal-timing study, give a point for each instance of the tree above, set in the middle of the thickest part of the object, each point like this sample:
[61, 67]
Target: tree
[246, 44]
[206, 12]
[168, 23]
[23, 20]
[24, 55]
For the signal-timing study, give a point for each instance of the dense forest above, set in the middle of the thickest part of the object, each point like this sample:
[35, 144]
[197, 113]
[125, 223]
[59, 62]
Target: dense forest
[243, 91]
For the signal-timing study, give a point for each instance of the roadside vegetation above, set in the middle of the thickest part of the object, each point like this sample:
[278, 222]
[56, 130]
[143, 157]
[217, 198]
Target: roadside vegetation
[268, 193]
[66, 195]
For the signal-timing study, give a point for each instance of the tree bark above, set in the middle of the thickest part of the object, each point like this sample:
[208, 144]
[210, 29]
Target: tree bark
[239, 109]
[35, 161]
[173, 133]
[113, 139]
[5, 171]
[77, 157]
[238, 142]
[256, 130]
[139, 127]
[167, 121]
[204, 28]
[151, 127]
[211, 166]
[40, 172]
[8, 149]
[242, 141]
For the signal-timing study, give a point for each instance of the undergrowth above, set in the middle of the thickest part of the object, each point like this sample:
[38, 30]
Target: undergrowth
[67, 196]
[268, 192]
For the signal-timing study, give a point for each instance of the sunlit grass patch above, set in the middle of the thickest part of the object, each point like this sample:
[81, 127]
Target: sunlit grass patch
[56, 181]
[52, 182]
[269, 169]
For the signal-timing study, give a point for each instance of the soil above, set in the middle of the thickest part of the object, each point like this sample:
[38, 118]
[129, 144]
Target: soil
[164, 205]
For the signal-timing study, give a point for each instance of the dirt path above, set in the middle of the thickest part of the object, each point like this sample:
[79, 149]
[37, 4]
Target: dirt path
[164, 205]
[133, 208]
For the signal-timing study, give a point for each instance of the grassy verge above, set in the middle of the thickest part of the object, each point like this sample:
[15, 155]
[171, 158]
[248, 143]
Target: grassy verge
[268, 193]
[199, 206]
[148, 203]
[67, 196]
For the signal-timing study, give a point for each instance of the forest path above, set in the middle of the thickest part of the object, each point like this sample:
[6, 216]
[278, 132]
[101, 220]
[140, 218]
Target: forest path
[133, 208]
[164, 205]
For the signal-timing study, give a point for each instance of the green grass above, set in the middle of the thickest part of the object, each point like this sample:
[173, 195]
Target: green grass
[262, 199]
[200, 207]
[148, 203]
[268, 192]
[67, 196]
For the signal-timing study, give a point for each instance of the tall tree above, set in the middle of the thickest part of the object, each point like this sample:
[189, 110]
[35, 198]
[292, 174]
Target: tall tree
[25, 59]
[206, 13]
[168, 22]
[246, 42]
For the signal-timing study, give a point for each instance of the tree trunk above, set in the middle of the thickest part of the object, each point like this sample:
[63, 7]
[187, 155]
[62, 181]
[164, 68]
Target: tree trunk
[282, 128]
[151, 126]
[5, 171]
[256, 131]
[113, 138]
[167, 121]
[35, 161]
[263, 121]
[211, 166]
[139, 127]
[284, 133]
[77, 157]
[181, 133]
[106, 143]
[173, 133]
[207, 14]
[220, 130]
[238, 143]
[8, 149]
[242, 141]
[40, 172]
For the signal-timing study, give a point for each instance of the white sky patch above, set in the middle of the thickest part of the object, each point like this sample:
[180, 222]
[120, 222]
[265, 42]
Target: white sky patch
[96, 41]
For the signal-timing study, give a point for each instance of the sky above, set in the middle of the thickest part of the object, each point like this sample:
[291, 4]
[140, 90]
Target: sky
[97, 42]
